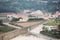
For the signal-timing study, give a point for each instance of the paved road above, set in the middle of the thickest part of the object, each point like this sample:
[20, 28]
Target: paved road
[43, 36]
[36, 32]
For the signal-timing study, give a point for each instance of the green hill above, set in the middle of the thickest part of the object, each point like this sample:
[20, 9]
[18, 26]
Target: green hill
[19, 5]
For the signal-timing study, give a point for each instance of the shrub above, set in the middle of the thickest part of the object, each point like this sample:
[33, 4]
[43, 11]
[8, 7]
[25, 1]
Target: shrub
[6, 28]
[36, 19]
[54, 35]
[15, 19]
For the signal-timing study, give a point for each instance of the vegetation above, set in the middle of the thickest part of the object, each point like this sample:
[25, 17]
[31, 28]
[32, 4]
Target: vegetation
[51, 34]
[19, 5]
[55, 33]
[5, 28]
[15, 19]
[34, 19]
[53, 22]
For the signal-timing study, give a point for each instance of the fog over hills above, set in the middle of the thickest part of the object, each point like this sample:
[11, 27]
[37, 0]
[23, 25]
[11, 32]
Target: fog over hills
[19, 5]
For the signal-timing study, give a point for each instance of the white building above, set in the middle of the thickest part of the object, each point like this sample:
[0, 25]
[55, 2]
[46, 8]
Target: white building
[37, 14]
[49, 28]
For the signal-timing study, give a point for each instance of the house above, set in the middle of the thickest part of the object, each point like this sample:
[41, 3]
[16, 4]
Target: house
[22, 17]
[27, 11]
[57, 14]
[3, 17]
[10, 16]
[50, 28]
[40, 14]
[36, 14]
[48, 16]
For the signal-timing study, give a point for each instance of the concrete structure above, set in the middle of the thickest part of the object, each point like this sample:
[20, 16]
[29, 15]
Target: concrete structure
[49, 28]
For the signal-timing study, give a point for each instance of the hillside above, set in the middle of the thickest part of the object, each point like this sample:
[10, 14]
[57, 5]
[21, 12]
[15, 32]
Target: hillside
[19, 5]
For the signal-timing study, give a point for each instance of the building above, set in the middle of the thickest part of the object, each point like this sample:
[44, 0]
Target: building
[50, 28]
[6, 17]
[27, 11]
[40, 14]
[3, 16]
[23, 17]
[37, 14]
[57, 14]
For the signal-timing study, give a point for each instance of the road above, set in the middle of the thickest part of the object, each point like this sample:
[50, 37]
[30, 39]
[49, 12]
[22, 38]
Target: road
[36, 32]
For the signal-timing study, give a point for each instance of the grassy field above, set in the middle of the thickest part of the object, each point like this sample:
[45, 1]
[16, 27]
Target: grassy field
[52, 22]
[5, 28]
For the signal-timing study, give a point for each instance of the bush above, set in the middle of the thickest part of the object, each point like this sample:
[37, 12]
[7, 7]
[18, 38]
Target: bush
[15, 19]
[54, 35]
[36, 19]
[6, 28]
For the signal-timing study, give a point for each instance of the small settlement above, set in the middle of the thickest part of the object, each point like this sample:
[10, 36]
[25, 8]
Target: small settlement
[26, 22]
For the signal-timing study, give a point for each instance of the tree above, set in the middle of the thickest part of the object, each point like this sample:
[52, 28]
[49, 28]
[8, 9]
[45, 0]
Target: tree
[16, 19]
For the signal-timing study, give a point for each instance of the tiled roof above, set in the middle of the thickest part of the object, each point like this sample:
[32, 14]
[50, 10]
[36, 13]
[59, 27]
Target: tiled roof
[57, 13]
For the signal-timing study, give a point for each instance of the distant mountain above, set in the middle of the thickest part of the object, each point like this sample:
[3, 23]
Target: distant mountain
[19, 5]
